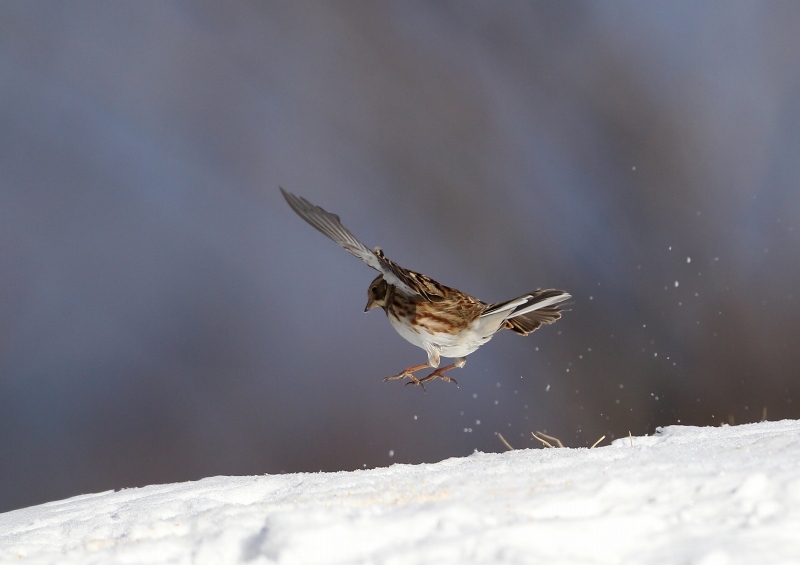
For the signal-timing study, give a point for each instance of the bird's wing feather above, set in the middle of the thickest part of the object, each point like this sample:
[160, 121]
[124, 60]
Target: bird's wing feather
[329, 224]
[423, 286]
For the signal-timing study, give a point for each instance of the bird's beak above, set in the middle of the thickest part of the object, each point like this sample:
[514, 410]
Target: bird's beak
[370, 305]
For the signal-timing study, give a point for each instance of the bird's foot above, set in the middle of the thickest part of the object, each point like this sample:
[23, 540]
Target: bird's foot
[410, 374]
[439, 374]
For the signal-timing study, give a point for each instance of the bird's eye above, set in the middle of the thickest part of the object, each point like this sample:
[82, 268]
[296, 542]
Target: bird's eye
[374, 290]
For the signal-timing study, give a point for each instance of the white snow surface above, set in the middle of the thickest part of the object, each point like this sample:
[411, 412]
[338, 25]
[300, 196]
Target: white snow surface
[708, 496]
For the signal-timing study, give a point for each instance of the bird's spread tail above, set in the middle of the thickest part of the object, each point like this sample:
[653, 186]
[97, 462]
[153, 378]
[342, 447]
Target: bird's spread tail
[527, 313]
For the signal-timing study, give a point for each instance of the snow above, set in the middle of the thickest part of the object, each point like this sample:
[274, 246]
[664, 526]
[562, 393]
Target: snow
[707, 496]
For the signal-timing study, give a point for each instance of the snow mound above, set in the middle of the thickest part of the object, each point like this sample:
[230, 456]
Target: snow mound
[709, 496]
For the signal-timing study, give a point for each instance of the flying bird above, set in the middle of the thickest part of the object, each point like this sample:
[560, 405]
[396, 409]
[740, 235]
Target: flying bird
[443, 321]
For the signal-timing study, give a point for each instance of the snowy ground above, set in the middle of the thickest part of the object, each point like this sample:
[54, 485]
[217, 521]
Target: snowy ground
[709, 496]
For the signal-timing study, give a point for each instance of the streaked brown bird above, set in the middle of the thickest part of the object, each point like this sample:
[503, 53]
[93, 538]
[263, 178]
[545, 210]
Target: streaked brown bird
[443, 321]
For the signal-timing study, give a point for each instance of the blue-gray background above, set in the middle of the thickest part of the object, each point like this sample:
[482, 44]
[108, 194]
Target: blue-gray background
[164, 316]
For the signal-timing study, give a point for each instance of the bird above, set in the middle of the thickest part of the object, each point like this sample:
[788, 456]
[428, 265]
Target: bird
[443, 321]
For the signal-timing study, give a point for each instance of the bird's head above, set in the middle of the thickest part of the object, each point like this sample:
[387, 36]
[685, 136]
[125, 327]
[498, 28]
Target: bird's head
[376, 293]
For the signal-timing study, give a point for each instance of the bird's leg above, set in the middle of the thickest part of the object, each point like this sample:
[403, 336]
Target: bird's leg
[410, 374]
[438, 373]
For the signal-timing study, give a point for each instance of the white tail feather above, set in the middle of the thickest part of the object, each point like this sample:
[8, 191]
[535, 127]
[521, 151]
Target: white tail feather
[510, 305]
[543, 304]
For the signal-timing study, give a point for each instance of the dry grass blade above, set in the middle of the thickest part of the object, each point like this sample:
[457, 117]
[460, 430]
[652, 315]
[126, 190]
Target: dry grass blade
[764, 414]
[545, 442]
[508, 445]
[598, 441]
[630, 437]
[551, 438]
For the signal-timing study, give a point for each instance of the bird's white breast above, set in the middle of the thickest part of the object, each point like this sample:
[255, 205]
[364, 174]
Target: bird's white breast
[449, 345]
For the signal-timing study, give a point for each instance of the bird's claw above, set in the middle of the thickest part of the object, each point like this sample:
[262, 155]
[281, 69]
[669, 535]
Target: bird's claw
[416, 382]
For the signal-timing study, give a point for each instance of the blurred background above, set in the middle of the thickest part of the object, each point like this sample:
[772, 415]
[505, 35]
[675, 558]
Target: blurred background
[164, 315]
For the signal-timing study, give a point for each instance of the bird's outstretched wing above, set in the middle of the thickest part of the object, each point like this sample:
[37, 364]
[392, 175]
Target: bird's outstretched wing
[407, 281]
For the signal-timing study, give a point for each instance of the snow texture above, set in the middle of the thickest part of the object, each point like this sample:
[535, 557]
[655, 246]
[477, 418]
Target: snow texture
[708, 496]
